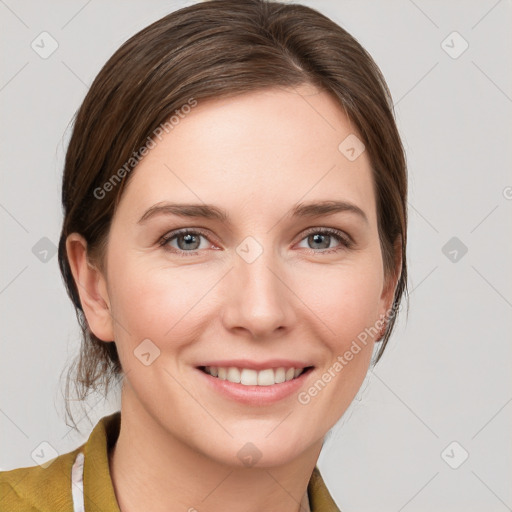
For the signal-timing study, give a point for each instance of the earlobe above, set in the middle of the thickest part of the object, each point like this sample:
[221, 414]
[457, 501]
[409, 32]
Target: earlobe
[91, 286]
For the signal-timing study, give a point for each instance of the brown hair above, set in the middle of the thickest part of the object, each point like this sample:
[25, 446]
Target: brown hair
[218, 48]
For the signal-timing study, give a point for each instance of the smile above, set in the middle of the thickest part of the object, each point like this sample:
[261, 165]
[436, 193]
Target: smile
[251, 377]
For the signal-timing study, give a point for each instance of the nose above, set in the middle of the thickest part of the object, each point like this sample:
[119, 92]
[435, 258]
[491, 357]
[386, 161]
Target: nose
[257, 299]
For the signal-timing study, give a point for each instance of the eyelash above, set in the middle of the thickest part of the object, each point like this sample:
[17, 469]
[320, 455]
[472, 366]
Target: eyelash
[345, 241]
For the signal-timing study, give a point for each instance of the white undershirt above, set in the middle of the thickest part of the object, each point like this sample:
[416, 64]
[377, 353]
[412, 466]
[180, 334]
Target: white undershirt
[77, 483]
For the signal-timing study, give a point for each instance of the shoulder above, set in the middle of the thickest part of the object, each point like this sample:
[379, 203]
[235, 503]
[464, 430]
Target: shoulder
[38, 488]
[49, 487]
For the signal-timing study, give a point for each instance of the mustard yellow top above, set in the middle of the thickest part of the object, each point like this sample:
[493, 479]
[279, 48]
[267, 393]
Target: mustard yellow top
[54, 489]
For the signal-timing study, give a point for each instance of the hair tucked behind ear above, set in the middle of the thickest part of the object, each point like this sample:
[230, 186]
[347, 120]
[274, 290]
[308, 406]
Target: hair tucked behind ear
[219, 48]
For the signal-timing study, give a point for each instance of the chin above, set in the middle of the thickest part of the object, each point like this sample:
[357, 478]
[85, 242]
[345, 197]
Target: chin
[257, 448]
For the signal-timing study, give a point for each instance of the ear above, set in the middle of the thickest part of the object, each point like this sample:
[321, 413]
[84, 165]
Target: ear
[389, 286]
[92, 288]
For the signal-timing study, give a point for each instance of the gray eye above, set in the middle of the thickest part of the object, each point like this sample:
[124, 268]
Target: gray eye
[188, 241]
[319, 241]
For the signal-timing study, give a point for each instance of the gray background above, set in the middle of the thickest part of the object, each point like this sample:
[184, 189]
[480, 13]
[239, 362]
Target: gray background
[446, 374]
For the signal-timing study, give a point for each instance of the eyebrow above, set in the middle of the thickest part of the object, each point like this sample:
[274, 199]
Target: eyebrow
[208, 211]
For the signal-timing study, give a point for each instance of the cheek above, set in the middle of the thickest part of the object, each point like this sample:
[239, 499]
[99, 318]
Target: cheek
[156, 303]
[346, 299]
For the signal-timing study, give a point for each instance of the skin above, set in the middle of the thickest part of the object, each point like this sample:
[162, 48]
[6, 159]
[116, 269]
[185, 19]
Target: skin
[256, 156]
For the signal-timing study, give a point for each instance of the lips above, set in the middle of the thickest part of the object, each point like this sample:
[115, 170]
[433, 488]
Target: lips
[255, 384]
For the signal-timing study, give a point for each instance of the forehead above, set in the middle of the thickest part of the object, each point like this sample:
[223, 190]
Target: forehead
[264, 150]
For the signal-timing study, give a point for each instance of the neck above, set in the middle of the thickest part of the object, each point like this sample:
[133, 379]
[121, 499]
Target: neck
[152, 470]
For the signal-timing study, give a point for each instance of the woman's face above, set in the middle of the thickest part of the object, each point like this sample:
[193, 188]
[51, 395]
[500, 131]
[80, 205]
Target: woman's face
[264, 279]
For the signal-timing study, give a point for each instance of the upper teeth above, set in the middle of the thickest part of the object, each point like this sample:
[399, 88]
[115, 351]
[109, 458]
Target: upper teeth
[249, 377]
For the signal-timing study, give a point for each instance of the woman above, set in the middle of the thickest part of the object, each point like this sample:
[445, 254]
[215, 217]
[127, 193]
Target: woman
[233, 241]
